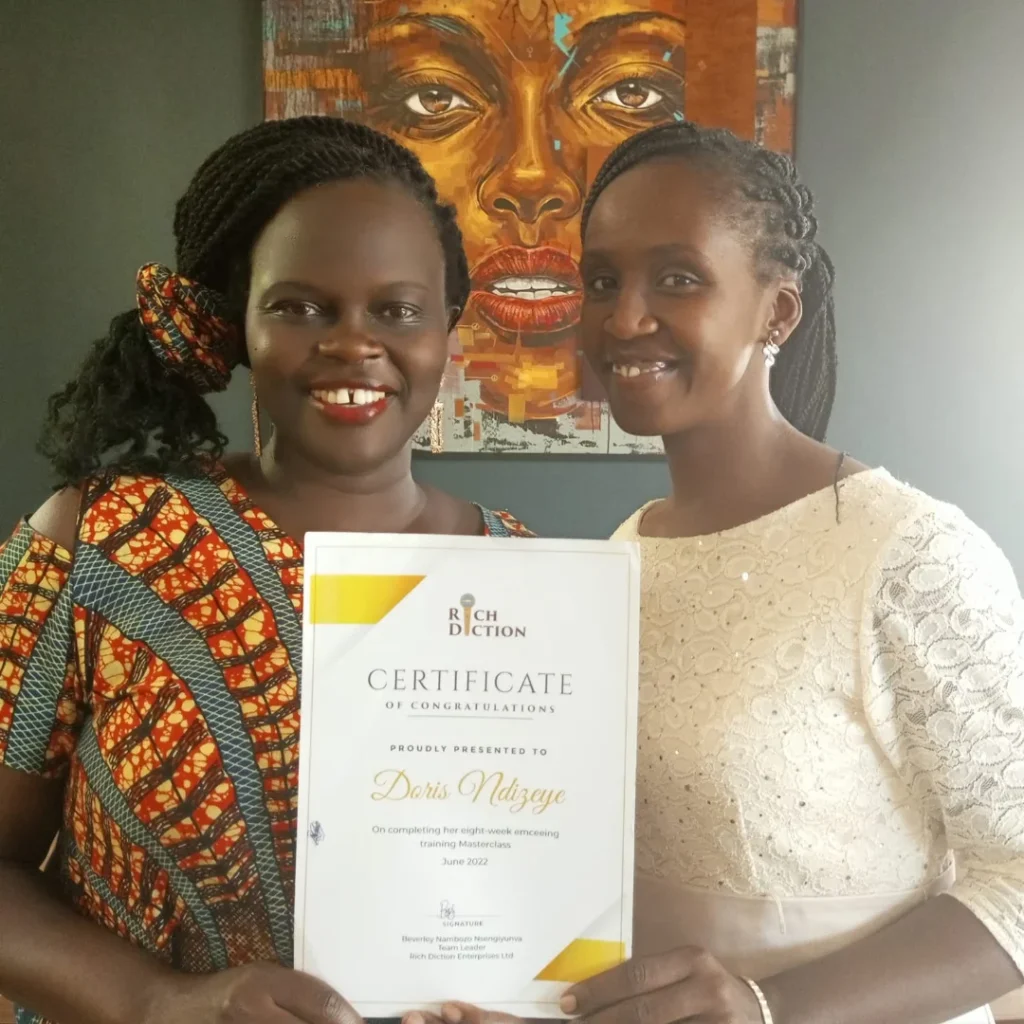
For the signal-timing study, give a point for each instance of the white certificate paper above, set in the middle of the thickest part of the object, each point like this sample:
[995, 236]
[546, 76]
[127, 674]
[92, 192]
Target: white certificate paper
[467, 768]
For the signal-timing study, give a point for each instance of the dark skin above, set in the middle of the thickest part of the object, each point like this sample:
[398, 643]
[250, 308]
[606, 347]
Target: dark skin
[690, 295]
[347, 285]
[670, 280]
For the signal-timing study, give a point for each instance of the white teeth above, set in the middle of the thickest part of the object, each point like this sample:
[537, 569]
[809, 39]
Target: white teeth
[531, 287]
[349, 396]
[637, 369]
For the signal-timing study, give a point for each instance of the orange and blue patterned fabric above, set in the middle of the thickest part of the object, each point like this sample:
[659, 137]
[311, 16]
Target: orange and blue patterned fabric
[187, 327]
[156, 671]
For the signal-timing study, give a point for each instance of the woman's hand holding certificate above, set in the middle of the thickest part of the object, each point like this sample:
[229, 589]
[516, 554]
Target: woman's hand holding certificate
[681, 985]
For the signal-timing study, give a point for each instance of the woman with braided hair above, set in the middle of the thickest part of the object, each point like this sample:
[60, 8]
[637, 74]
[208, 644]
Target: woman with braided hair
[150, 612]
[831, 752]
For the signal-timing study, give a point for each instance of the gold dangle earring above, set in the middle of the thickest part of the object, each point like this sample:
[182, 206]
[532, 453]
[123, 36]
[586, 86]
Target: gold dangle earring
[437, 428]
[257, 433]
[436, 419]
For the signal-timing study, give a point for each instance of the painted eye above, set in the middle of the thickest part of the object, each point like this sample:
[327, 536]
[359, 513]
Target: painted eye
[433, 100]
[633, 94]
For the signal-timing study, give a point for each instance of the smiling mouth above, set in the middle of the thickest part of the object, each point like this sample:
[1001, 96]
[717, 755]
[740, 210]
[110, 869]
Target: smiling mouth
[533, 291]
[635, 370]
[349, 396]
[352, 406]
[530, 288]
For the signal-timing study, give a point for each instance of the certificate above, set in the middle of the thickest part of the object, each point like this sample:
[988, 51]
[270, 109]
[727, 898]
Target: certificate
[467, 768]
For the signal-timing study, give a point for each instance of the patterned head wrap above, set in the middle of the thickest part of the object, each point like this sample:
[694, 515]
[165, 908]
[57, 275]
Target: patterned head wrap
[188, 327]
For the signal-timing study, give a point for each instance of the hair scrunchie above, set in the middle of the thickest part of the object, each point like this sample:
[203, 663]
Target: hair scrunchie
[187, 327]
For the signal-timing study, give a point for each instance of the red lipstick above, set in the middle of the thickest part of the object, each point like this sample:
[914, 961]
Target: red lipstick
[535, 291]
[353, 403]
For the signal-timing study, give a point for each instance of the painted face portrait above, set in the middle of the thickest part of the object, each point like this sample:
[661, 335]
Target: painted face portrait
[512, 105]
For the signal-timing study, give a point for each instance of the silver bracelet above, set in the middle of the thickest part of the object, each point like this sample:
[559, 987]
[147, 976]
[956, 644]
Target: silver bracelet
[766, 1010]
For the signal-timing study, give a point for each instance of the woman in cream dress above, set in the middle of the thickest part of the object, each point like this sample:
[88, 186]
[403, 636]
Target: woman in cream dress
[831, 794]
[830, 813]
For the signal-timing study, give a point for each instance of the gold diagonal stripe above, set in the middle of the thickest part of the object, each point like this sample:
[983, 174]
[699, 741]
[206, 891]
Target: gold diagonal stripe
[357, 600]
[582, 959]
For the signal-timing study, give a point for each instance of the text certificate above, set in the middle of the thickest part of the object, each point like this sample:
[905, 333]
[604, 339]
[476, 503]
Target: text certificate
[467, 768]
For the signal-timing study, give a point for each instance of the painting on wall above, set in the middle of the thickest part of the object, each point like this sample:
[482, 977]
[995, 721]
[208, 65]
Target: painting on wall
[513, 105]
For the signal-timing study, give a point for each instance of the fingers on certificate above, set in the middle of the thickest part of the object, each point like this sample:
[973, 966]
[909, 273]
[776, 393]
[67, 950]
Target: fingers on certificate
[259, 993]
[461, 1013]
[681, 984]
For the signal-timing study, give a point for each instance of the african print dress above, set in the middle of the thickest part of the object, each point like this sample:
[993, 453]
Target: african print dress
[157, 672]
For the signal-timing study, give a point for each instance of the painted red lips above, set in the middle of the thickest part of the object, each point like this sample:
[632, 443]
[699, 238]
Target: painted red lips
[533, 291]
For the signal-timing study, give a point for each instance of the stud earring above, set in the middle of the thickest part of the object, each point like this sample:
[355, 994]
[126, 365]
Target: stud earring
[771, 348]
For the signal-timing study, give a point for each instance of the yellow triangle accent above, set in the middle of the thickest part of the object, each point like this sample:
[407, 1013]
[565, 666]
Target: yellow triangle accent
[582, 959]
[357, 600]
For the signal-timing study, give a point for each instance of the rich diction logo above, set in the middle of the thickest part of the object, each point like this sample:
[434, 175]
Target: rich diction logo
[469, 620]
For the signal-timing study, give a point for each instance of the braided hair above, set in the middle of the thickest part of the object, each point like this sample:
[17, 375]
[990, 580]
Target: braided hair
[777, 212]
[134, 406]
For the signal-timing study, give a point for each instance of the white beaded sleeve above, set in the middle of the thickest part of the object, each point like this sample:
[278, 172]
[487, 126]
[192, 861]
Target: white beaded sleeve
[943, 663]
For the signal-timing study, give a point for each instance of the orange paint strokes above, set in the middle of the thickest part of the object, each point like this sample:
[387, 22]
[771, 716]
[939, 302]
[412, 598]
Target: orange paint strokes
[721, 58]
[338, 79]
[516, 408]
[776, 13]
[596, 156]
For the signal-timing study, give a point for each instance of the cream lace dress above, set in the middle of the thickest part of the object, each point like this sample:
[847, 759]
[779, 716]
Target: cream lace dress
[831, 728]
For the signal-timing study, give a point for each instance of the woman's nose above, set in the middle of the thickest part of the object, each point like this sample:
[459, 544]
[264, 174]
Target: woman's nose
[631, 317]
